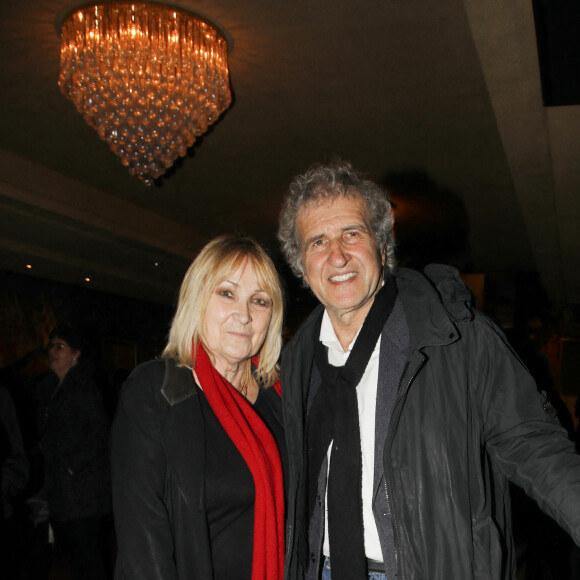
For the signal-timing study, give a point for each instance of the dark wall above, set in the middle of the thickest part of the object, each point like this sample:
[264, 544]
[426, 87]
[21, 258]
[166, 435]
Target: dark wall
[121, 331]
[557, 25]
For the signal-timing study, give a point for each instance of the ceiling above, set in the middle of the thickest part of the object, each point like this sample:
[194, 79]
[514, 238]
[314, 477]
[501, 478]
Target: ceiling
[452, 87]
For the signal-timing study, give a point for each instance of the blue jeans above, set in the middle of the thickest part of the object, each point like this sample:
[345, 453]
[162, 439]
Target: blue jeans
[327, 576]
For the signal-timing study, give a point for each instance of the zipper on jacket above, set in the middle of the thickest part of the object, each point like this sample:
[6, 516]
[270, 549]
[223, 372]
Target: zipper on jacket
[388, 441]
[289, 538]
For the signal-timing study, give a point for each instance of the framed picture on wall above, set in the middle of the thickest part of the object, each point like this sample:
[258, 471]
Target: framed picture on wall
[119, 354]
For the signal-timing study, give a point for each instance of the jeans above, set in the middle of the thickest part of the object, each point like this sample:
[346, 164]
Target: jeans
[327, 576]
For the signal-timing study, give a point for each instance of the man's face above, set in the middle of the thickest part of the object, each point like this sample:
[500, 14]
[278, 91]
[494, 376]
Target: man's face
[342, 264]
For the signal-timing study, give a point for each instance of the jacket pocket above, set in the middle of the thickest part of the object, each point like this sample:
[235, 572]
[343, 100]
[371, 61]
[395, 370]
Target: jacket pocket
[487, 551]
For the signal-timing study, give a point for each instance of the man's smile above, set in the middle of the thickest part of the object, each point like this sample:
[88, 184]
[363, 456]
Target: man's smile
[343, 277]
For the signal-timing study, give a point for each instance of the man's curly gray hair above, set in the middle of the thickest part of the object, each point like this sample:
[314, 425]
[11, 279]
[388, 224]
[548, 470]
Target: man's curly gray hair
[326, 182]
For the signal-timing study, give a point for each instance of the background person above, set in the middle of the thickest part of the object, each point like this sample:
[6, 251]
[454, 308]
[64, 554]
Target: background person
[14, 470]
[74, 438]
[197, 475]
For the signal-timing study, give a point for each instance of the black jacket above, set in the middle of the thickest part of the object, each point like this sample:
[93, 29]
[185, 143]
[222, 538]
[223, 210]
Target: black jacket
[158, 462]
[467, 417]
[14, 467]
[74, 431]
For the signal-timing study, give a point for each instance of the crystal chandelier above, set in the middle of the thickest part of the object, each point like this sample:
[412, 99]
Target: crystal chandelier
[149, 78]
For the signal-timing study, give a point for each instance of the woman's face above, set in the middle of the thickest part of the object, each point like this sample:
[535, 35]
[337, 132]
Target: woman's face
[236, 319]
[61, 356]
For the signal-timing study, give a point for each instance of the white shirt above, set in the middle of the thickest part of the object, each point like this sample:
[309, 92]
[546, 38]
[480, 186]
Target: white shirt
[366, 392]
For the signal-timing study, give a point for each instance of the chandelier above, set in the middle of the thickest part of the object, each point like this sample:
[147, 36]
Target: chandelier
[149, 78]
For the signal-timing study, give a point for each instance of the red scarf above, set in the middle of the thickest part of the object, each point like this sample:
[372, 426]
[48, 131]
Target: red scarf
[258, 448]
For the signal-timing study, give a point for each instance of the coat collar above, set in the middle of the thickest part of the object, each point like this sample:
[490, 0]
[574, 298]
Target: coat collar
[433, 303]
[178, 383]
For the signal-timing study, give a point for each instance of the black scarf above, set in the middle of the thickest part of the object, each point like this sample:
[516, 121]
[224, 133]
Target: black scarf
[334, 417]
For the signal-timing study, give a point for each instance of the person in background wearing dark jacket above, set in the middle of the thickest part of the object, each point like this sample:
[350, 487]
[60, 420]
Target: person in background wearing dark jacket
[14, 470]
[74, 437]
[197, 439]
[406, 411]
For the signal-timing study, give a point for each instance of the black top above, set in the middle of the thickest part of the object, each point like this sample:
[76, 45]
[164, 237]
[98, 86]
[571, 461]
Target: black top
[230, 491]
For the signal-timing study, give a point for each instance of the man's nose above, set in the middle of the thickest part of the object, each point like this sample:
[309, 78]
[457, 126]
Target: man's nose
[337, 256]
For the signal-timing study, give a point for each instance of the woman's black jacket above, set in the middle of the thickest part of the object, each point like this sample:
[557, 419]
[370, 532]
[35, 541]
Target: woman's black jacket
[158, 459]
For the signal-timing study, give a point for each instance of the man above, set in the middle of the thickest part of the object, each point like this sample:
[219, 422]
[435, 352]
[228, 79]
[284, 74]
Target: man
[406, 412]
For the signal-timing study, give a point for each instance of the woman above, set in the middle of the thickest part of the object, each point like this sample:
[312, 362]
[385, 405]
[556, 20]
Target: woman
[197, 477]
[74, 436]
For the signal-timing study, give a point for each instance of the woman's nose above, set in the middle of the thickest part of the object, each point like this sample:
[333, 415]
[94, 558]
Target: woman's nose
[244, 313]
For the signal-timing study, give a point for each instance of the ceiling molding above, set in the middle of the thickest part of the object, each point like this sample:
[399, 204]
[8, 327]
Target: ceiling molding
[39, 187]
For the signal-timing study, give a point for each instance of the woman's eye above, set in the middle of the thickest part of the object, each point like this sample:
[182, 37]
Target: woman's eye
[226, 293]
[261, 302]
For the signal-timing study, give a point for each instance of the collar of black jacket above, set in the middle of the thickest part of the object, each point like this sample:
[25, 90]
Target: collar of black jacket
[434, 302]
[178, 383]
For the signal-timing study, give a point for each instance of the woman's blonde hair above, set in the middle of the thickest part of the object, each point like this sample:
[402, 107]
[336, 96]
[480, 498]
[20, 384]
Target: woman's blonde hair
[215, 263]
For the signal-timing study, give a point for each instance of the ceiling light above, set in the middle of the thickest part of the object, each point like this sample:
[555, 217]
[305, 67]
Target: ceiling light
[149, 78]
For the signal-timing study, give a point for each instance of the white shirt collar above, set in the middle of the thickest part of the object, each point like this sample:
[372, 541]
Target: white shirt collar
[337, 356]
[328, 336]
